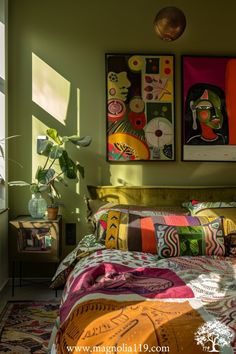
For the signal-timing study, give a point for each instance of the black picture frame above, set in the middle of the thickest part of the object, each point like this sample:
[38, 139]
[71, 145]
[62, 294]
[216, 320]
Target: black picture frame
[208, 108]
[140, 107]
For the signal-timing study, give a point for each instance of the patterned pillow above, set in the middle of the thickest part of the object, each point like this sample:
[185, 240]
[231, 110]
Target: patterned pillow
[196, 206]
[175, 241]
[134, 232]
[130, 232]
[93, 208]
[101, 216]
[230, 244]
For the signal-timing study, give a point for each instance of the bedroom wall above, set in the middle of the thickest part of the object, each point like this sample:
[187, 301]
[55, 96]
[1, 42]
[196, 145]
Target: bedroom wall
[3, 214]
[64, 41]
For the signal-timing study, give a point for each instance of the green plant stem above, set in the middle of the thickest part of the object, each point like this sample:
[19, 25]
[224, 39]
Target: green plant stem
[44, 167]
[51, 164]
[53, 179]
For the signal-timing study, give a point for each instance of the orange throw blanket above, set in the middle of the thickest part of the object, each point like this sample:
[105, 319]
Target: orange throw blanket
[130, 327]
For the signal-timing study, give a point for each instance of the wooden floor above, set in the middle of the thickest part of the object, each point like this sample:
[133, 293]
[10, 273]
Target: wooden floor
[29, 290]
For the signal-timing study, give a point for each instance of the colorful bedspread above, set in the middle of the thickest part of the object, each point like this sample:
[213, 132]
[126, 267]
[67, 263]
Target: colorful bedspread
[131, 302]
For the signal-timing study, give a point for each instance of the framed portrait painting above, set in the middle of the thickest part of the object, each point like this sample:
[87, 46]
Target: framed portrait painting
[208, 108]
[140, 107]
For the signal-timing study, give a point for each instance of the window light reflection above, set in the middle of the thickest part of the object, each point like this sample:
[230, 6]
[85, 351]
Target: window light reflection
[50, 90]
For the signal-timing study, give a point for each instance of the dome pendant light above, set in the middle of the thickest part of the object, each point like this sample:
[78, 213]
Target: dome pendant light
[169, 23]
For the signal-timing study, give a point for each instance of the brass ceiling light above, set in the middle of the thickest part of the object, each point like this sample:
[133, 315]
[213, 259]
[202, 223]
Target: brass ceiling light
[170, 23]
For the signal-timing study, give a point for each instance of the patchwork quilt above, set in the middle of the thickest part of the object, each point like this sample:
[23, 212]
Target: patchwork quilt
[132, 302]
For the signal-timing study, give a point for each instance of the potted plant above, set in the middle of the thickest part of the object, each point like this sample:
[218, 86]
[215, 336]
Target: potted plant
[58, 167]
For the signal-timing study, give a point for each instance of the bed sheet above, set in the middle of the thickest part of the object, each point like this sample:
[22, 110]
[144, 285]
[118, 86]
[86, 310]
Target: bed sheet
[133, 302]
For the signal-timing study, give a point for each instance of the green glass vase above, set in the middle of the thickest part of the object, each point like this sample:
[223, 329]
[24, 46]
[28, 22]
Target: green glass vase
[37, 206]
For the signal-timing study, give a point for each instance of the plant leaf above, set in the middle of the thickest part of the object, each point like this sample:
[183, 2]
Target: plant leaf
[53, 134]
[54, 191]
[56, 152]
[68, 166]
[44, 188]
[1, 151]
[11, 137]
[44, 176]
[34, 188]
[16, 162]
[45, 147]
[18, 183]
[76, 140]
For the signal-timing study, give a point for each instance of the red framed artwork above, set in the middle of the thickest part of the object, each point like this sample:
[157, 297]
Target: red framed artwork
[208, 108]
[140, 107]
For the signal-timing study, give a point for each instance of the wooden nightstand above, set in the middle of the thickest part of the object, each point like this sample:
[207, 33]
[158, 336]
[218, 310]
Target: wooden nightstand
[34, 240]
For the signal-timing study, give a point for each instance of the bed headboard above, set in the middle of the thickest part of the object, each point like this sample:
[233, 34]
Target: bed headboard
[161, 196]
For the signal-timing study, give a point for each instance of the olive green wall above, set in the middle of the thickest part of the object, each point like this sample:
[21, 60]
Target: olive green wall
[4, 215]
[71, 37]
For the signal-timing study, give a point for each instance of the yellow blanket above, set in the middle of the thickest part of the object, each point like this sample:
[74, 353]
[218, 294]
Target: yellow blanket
[107, 326]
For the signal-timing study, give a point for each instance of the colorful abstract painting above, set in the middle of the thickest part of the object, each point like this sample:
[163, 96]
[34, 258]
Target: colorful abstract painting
[140, 107]
[209, 108]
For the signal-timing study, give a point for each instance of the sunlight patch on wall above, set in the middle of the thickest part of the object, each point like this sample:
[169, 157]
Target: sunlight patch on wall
[50, 90]
[131, 175]
[2, 50]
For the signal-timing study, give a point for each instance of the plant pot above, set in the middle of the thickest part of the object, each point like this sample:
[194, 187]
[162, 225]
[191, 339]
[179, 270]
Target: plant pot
[52, 213]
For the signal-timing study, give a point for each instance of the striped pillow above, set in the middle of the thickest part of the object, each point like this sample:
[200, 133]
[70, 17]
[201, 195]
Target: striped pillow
[132, 232]
[101, 216]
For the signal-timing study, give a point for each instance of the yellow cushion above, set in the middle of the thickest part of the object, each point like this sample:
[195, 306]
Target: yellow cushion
[229, 215]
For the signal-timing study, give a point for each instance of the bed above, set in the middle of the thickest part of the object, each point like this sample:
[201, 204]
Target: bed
[151, 277]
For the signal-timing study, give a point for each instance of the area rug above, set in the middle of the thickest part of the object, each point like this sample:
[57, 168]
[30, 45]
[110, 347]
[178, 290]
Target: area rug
[26, 326]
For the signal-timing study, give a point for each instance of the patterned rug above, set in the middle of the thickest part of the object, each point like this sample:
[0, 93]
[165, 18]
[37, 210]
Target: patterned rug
[26, 326]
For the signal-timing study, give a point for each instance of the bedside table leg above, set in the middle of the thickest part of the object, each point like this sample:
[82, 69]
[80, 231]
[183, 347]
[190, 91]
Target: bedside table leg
[13, 279]
[20, 272]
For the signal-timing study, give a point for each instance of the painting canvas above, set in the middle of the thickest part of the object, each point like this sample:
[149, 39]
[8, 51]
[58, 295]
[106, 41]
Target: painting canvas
[140, 107]
[208, 108]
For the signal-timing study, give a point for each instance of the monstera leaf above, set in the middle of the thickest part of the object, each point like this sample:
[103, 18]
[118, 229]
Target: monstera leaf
[44, 176]
[45, 147]
[56, 152]
[68, 166]
[76, 140]
[53, 134]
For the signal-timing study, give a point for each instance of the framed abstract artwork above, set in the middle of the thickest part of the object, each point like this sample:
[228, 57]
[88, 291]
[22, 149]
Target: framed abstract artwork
[208, 108]
[140, 107]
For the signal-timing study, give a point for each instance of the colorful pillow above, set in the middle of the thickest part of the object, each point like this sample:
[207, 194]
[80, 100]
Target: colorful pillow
[194, 207]
[101, 216]
[175, 241]
[129, 231]
[93, 206]
[216, 210]
[230, 244]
